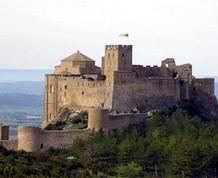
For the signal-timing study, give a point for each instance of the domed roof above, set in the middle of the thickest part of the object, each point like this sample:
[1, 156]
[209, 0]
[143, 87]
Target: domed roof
[77, 57]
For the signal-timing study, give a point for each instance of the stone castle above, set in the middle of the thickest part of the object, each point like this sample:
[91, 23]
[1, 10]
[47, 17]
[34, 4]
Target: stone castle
[77, 83]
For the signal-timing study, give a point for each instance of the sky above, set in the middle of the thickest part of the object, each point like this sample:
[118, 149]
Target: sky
[37, 34]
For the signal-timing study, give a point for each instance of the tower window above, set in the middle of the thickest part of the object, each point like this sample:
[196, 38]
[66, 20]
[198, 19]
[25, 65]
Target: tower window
[51, 89]
[123, 55]
[65, 86]
[82, 92]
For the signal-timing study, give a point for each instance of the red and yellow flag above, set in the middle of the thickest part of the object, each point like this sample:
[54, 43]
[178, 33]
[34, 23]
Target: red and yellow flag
[124, 35]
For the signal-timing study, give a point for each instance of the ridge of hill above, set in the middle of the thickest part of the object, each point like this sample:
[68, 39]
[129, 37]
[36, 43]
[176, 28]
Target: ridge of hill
[14, 75]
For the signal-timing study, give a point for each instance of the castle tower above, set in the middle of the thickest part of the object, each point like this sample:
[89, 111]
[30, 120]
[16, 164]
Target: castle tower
[50, 99]
[98, 118]
[4, 132]
[28, 138]
[117, 58]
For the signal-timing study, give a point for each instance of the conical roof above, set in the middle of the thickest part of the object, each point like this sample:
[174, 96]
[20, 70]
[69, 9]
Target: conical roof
[77, 57]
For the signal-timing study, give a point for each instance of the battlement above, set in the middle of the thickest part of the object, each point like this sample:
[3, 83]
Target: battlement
[117, 46]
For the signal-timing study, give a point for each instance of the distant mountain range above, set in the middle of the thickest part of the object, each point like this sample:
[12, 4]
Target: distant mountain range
[23, 87]
[20, 100]
[14, 75]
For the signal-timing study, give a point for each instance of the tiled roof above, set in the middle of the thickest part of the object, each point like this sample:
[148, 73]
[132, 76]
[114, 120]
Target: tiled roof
[77, 57]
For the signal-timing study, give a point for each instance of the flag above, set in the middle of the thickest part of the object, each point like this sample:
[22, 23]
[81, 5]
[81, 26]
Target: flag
[124, 35]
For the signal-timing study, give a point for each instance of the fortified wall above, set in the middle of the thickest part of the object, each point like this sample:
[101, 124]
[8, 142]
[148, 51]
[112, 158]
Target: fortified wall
[36, 139]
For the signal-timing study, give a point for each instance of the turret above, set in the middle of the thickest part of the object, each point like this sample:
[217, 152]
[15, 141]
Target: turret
[28, 138]
[98, 118]
[4, 132]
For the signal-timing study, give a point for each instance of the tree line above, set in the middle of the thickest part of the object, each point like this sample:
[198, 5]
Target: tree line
[165, 146]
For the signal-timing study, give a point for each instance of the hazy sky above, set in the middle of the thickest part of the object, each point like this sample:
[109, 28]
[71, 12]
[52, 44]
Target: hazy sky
[37, 34]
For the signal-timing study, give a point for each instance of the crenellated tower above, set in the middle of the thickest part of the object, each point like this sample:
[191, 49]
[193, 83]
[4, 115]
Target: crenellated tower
[117, 58]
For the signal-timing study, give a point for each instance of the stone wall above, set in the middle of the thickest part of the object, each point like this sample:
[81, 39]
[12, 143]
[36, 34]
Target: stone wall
[147, 93]
[205, 85]
[34, 139]
[60, 138]
[10, 144]
[169, 63]
[124, 120]
[77, 92]
[74, 92]
[185, 72]
[151, 72]
[100, 118]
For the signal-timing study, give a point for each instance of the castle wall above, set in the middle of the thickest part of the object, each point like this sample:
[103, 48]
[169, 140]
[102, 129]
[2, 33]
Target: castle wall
[124, 120]
[184, 90]
[100, 118]
[10, 144]
[122, 90]
[60, 138]
[147, 93]
[185, 72]
[205, 85]
[76, 92]
[34, 139]
[148, 71]
[50, 98]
